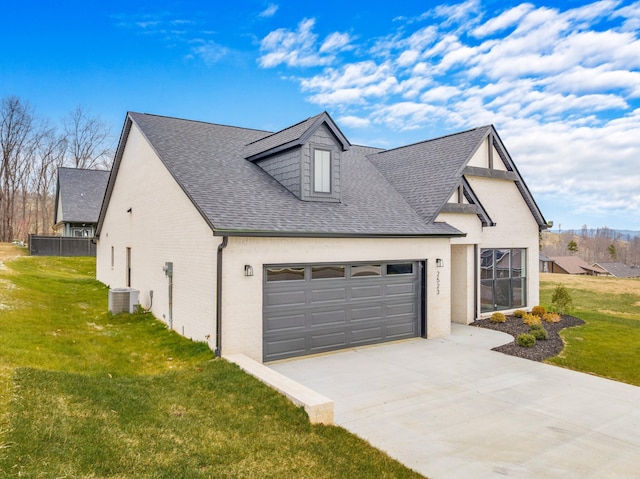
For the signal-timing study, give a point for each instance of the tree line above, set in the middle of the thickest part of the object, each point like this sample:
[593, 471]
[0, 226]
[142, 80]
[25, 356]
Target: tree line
[600, 245]
[32, 149]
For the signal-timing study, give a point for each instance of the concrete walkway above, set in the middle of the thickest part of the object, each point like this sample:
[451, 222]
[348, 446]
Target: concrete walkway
[451, 408]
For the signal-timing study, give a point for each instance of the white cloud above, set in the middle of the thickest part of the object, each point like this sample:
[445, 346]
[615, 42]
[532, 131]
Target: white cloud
[270, 11]
[335, 41]
[300, 48]
[562, 85]
[503, 21]
[209, 52]
[352, 121]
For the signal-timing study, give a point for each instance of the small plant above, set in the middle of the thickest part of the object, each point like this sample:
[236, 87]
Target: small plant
[551, 317]
[526, 340]
[497, 318]
[519, 313]
[538, 310]
[539, 333]
[561, 299]
[536, 326]
[530, 319]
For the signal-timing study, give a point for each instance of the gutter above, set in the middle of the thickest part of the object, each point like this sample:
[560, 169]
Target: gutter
[221, 246]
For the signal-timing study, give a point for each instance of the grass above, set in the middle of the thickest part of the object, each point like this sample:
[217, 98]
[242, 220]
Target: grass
[86, 394]
[608, 344]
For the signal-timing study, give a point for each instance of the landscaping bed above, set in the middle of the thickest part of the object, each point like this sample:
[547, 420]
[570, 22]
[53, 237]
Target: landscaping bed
[542, 349]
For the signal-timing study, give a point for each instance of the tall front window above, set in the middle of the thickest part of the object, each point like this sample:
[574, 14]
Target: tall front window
[322, 171]
[503, 279]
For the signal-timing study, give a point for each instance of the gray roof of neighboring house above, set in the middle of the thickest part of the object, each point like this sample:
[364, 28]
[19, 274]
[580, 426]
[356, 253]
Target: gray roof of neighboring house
[395, 192]
[575, 265]
[620, 270]
[81, 193]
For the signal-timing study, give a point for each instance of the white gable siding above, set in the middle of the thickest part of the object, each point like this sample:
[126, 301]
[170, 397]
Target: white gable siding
[242, 297]
[481, 157]
[163, 225]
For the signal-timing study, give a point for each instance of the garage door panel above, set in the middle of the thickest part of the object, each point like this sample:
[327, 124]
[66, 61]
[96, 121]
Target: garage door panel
[400, 331]
[328, 317]
[323, 314]
[332, 340]
[366, 292]
[404, 289]
[285, 322]
[286, 298]
[281, 348]
[370, 334]
[333, 294]
[408, 309]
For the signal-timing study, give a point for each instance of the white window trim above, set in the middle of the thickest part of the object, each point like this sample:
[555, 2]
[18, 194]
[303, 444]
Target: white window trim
[322, 171]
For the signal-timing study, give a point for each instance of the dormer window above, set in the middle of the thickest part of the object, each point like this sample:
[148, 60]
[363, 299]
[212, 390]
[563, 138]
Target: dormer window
[321, 171]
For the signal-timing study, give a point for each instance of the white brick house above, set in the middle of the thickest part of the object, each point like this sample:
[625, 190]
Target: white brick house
[296, 242]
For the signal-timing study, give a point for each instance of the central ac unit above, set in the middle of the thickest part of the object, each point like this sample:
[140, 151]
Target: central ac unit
[123, 300]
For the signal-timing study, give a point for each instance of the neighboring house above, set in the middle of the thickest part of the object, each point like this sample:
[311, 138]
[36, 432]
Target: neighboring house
[574, 265]
[546, 264]
[297, 242]
[79, 195]
[619, 270]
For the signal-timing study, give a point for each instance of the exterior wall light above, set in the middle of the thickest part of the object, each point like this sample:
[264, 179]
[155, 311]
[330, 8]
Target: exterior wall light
[439, 263]
[248, 270]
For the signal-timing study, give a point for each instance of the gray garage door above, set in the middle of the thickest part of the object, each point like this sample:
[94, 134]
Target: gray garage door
[314, 308]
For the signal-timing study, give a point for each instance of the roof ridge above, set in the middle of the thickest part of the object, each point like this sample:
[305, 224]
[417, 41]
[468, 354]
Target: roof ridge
[437, 138]
[285, 129]
[199, 121]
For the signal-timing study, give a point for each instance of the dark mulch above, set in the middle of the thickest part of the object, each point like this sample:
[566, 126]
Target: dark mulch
[542, 349]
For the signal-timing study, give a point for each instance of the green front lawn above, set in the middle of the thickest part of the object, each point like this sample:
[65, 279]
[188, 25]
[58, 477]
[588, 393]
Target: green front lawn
[87, 394]
[608, 344]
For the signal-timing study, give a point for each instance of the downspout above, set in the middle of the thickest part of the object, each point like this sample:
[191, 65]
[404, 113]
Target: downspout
[221, 246]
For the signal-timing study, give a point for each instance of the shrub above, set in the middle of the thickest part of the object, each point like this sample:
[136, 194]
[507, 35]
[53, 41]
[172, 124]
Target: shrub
[539, 333]
[538, 310]
[519, 313]
[497, 318]
[561, 299]
[530, 319]
[526, 340]
[536, 326]
[551, 317]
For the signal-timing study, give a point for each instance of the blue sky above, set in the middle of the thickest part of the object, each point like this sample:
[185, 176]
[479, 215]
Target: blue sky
[559, 80]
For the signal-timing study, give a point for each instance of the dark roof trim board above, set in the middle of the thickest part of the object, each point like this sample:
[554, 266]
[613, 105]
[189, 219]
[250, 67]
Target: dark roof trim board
[322, 234]
[293, 136]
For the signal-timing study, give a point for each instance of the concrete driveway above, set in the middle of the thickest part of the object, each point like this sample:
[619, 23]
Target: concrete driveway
[451, 408]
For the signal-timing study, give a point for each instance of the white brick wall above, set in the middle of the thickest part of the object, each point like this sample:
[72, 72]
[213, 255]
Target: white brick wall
[163, 226]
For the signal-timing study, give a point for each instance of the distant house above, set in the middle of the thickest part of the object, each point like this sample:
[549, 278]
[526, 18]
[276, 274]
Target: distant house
[619, 270]
[79, 195]
[573, 265]
[546, 264]
[297, 242]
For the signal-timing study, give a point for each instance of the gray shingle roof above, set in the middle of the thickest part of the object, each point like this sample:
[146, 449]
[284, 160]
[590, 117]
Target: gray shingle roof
[81, 193]
[620, 270]
[427, 173]
[237, 196]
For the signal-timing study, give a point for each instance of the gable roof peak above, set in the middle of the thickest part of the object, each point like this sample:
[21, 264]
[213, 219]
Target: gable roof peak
[294, 135]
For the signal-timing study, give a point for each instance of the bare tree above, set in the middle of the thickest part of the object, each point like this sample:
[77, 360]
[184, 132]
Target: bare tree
[51, 150]
[16, 120]
[87, 140]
